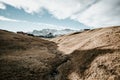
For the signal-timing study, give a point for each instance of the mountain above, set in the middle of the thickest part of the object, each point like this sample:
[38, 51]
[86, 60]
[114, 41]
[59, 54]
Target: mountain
[54, 32]
[85, 55]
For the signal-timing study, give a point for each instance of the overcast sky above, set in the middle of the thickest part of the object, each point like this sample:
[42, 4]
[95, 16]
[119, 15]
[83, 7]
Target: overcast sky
[27, 15]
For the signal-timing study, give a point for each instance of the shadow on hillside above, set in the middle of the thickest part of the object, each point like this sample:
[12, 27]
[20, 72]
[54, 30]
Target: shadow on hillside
[82, 59]
[79, 61]
[43, 67]
[28, 58]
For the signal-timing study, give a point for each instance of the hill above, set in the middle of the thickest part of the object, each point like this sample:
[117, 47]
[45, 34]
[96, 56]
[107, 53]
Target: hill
[94, 54]
[24, 57]
[101, 37]
[88, 55]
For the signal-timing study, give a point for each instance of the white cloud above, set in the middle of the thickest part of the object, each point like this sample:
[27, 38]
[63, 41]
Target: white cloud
[64, 9]
[103, 13]
[23, 25]
[95, 13]
[2, 6]
[29, 6]
[30, 26]
[60, 9]
[51, 26]
[2, 18]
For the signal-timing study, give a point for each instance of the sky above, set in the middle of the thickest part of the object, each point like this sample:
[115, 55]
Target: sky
[28, 15]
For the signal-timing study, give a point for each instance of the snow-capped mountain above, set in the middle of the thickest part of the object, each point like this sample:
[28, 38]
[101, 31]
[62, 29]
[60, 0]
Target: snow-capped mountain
[54, 32]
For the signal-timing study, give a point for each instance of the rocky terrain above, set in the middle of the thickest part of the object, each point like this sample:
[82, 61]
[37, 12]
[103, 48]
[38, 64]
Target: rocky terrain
[88, 55]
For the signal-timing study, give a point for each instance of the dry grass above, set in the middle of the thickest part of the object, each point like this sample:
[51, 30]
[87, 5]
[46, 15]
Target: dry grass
[90, 55]
[28, 58]
[94, 54]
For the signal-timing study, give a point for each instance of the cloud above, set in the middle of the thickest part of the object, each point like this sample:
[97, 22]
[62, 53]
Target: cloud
[30, 26]
[64, 9]
[60, 9]
[29, 6]
[104, 13]
[2, 18]
[96, 13]
[2, 6]
[51, 26]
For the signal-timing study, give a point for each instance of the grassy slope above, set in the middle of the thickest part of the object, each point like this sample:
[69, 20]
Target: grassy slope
[91, 55]
[94, 54]
[27, 58]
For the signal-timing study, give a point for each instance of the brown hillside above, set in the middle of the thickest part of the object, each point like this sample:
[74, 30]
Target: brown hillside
[102, 38]
[25, 57]
[94, 54]
[87, 55]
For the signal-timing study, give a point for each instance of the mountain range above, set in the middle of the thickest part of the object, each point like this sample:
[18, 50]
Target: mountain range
[54, 32]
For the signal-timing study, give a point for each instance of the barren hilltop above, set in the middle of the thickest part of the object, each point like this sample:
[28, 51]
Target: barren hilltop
[88, 55]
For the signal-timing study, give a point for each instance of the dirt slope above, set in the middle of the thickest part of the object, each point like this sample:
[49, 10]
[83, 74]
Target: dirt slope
[102, 37]
[88, 55]
[28, 58]
[94, 54]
